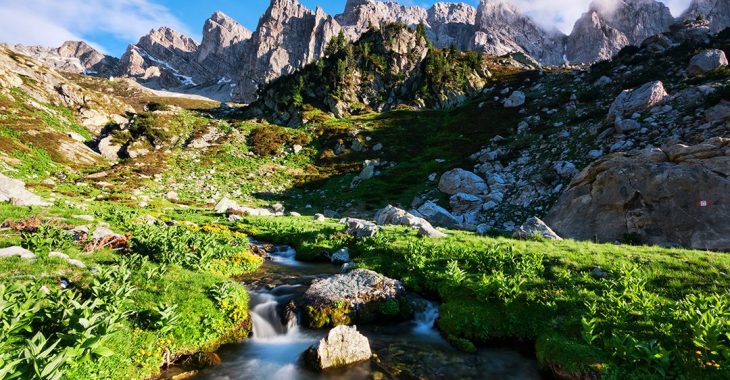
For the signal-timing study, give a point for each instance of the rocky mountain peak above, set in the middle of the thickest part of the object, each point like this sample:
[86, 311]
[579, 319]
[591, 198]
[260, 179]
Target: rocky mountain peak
[167, 38]
[608, 26]
[223, 39]
[501, 29]
[442, 13]
[73, 57]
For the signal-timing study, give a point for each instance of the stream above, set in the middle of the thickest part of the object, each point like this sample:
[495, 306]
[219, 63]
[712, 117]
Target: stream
[409, 350]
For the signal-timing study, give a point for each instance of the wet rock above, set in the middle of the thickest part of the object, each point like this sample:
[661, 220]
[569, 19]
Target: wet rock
[534, 226]
[14, 192]
[341, 256]
[342, 346]
[354, 297]
[17, 251]
[707, 61]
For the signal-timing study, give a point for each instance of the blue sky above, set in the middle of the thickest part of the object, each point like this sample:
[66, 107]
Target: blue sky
[111, 25]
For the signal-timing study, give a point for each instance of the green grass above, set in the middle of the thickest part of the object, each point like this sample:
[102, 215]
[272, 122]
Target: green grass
[641, 321]
[206, 307]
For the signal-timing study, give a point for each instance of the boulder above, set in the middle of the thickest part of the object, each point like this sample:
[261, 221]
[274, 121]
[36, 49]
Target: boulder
[565, 169]
[534, 226]
[224, 204]
[517, 99]
[340, 256]
[319, 217]
[103, 233]
[676, 196]
[360, 228]
[463, 203]
[17, 251]
[14, 191]
[438, 215]
[342, 346]
[643, 98]
[359, 296]
[706, 61]
[108, 149]
[396, 216]
[461, 181]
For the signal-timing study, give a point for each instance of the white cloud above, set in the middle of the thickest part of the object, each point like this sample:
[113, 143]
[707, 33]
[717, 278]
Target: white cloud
[51, 22]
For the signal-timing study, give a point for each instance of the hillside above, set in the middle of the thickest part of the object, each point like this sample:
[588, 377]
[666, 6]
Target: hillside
[533, 221]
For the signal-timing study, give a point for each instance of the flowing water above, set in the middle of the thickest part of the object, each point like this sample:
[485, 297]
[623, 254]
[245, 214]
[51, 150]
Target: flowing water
[409, 350]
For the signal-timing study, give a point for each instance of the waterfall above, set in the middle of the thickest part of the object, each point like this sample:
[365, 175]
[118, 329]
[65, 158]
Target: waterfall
[267, 321]
[425, 318]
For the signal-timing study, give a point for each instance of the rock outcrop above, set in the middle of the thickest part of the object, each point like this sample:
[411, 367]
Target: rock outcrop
[675, 196]
[342, 346]
[717, 12]
[637, 100]
[707, 61]
[76, 57]
[608, 27]
[534, 226]
[399, 217]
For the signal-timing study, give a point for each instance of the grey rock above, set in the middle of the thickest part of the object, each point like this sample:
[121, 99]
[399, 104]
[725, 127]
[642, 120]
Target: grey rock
[396, 216]
[224, 205]
[14, 192]
[462, 203]
[319, 217]
[438, 215]
[716, 12]
[342, 346]
[535, 226]
[340, 256]
[707, 61]
[719, 112]
[640, 99]
[360, 228]
[76, 57]
[23, 253]
[461, 181]
[517, 99]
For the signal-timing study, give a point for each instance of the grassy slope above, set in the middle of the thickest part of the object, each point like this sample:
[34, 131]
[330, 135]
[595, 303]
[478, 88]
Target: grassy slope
[138, 350]
[545, 290]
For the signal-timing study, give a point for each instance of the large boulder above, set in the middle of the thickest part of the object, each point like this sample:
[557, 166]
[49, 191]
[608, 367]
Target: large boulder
[396, 216]
[643, 98]
[342, 346]
[438, 215]
[677, 196]
[14, 191]
[359, 296]
[461, 181]
[21, 252]
[534, 226]
[517, 99]
[463, 203]
[707, 61]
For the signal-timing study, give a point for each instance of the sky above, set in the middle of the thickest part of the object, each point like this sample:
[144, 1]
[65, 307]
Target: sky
[111, 25]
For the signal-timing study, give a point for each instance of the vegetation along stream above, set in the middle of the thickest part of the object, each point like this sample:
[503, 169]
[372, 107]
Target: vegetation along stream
[413, 349]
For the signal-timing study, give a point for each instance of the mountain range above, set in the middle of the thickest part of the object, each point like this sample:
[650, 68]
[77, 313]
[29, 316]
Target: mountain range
[231, 63]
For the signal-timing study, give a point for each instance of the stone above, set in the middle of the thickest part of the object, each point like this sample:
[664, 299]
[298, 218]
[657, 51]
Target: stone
[598, 273]
[715, 12]
[224, 205]
[319, 217]
[342, 346]
[23, 253]
[707, 61]
[360, 228]
[104, 232]
[438, 215]
[461, 181]
[626, 125]
[397, 216]
[361, 292]
[517, 99]
[59, 255]
[565, 169]
[109, 149]
[340, 256]
[14, 192]
[637, 100]
[462, 203]
[667, 197]
[534, 226]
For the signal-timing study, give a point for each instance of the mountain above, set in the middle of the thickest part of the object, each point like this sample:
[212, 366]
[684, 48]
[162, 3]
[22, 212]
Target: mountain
[608, 27]
[502, 29]
[717, 12]
[288, 37]
[166, 59]
[74, 57]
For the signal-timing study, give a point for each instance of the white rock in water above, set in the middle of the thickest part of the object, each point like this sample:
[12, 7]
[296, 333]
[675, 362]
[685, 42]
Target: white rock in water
[342, 346]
